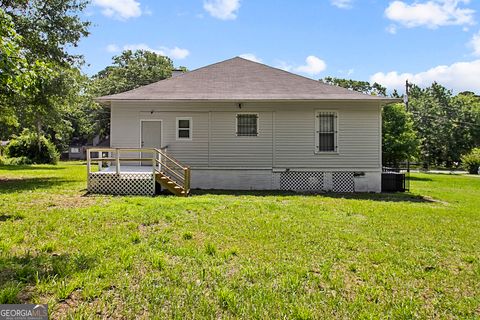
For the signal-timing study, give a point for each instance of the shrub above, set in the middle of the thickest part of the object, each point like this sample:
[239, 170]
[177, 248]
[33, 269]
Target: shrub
[27, 146]
[17, 161]
[471, 161]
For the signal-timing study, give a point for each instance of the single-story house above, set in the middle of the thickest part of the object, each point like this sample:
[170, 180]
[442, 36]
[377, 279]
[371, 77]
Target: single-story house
[243, 125]
[78, 151]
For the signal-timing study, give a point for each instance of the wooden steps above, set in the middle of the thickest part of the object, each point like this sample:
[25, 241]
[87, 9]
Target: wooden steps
[166, 182]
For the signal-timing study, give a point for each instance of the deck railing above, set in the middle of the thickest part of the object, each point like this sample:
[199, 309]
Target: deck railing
[158, 159]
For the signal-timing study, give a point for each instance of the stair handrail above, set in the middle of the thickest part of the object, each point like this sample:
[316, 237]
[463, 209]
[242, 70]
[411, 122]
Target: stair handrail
[185, 169]
[175, 161]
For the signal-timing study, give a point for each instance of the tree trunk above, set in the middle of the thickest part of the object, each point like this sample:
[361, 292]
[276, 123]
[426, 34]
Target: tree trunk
[39, 131]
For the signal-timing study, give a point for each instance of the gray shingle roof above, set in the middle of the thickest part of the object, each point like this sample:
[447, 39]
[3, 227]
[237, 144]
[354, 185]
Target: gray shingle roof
[238, 79]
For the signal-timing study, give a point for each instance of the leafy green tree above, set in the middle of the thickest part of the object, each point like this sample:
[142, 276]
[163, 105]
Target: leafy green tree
[18, 77]
[46, 29]
[355, 85]
[400, 141]
[12, 66]
[448, 125]
[132, 69]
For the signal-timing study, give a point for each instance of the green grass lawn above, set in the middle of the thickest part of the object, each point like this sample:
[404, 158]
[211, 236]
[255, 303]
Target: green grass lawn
[250, 255]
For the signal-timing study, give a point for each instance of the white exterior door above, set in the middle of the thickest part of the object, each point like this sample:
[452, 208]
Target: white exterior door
[151, 137]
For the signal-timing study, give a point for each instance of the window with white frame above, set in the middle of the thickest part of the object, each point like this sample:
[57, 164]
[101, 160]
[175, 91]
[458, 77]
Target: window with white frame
[184, 128]
[247, 124]
[326, 131]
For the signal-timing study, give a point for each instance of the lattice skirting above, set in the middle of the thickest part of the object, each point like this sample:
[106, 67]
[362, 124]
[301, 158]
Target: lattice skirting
[137, 183]
[343, 182]
[302, 180]
[314, 181]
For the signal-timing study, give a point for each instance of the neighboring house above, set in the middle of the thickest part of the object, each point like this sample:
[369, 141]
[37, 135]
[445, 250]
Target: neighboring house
[77, 151]
[243, 125]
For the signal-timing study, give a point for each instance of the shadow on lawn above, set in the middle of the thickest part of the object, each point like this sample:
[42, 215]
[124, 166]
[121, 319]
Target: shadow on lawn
[29, 167]
[384, 197]
[9, 217]
[419, 179]
[18, 274]
[8, 185]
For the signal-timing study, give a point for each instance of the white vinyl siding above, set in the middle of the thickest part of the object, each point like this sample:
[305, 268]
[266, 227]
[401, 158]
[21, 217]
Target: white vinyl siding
[358, 139]
[229, 150]
[125, 132]
[286, 134]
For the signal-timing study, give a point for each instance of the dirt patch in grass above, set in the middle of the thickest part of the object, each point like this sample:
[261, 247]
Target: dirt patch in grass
[70, 304]
[59, 201]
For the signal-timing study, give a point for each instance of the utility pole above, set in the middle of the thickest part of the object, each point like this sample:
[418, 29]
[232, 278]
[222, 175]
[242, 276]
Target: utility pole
[405, 99]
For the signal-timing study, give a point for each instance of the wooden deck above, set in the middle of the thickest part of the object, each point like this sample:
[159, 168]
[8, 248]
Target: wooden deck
[130, 171]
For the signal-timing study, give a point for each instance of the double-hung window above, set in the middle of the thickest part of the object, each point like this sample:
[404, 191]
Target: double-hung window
[326, 131]
[184, 128]
[247, 124]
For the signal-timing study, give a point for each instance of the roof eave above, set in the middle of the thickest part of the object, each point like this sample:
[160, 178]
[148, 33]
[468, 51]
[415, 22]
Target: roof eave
[107, 102]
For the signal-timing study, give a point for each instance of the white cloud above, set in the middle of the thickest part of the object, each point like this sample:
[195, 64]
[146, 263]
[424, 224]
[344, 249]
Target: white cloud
[342, 4]
[392, 29]
[251, 57]
[431, 14]
[459, 76]
[222, 9]
[313, 66]
[346, 72]
[174, 53]
[112, 48]
[119, 9]
[475, 43]
[283, 65]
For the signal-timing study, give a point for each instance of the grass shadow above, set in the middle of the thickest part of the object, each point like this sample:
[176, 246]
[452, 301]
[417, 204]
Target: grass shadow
[19, 273]
[28, 167]
[256, 193]
[8, 217]
[8, 185]
[412, 178]
[383, 197]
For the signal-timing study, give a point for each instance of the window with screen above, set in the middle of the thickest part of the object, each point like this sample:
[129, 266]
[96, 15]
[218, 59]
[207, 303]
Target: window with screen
[247, 124]
[326, 132]
[184, 128]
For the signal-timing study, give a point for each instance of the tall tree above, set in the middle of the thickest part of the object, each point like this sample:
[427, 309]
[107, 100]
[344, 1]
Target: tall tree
[47, 30]
[448, 125]
[399, 140]
[132, 69]
[356, 85]
[18, 77]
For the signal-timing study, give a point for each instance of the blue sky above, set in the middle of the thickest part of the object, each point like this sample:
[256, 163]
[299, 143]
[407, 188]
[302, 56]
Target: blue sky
[383, 41]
